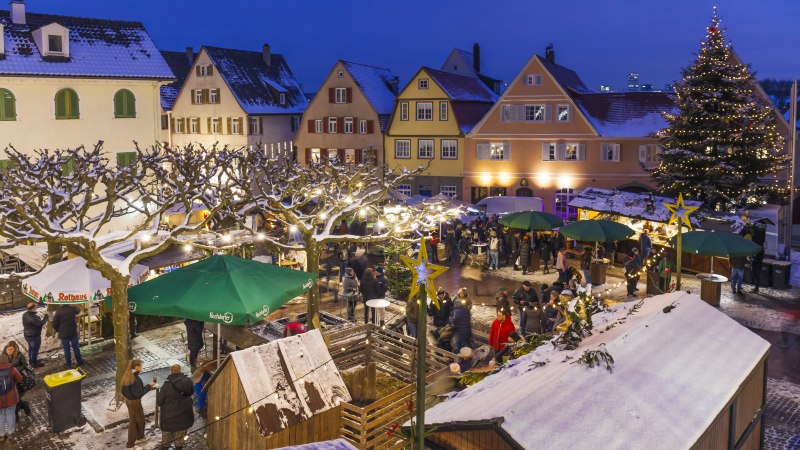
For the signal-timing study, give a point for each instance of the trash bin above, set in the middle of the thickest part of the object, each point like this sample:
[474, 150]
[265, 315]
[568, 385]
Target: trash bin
[748, 271]
[597, 270]
[441, 251]
[63, 396]
[653, 283]
[766, 272]
[781, 274]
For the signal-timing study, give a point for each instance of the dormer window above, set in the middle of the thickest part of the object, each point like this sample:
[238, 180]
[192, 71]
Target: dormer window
[283, 99]
[55, 44]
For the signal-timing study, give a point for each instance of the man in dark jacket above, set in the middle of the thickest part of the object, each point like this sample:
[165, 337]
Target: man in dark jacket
[631, 273]
[501, 300]
[175, 401]
[461, 321]
[586, 264]
[737, 273]
[464, 247]
[370, 289]
[65, 323]
[32, 330]
[525, 253]
[526, 299]
[194, 340]
[441, 315]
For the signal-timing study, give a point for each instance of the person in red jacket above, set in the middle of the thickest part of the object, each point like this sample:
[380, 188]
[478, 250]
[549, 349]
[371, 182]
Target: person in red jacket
[9, 397]
[293, 326]
[502, 332]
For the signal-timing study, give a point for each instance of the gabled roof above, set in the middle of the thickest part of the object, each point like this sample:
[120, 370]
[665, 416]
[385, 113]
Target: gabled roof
[180, 65]
[287, 381]
[97, 48]
[468, 114]
[460, 88]
[567, 78]
[675, 369]
[255, 85]
[626, 114]
[638, 206]
[469, 60]
[375, 84]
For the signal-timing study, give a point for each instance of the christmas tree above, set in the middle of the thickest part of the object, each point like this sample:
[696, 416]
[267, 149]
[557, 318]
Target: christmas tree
[722, 146]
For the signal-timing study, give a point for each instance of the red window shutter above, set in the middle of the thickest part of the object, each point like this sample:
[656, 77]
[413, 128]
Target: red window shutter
[340, 124]
[210, 70]
[341, 155]
[197, 69]
[308, 156]
[370, 126]
[310, 127]
[349, 95]
[331, 95]
[358, 155]
[324, 124]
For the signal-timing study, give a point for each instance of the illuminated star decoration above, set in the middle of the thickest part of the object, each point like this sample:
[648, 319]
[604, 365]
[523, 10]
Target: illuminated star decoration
[424, 273]
[680, 211]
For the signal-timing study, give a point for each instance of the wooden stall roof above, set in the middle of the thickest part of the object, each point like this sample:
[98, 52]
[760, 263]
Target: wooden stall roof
[674, 371]
[628, 204]
[288, 380]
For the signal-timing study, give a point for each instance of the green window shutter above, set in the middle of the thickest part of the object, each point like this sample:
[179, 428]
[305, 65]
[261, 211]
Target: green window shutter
[61, 105]
[241, 125]
[68, 167]
[8, 110]
[219, 99]
[208, 130]
[205, 96]
[119, 104]
[72, 106]
[230, 128]
[126, 158]
[67, 104]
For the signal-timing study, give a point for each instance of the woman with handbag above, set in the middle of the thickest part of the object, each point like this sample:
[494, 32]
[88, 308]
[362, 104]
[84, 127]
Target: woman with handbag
[20, 362]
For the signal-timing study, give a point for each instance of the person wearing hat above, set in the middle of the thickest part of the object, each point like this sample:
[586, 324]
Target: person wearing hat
[464, 359]
[527, 301]
[441, 315]
[32, 325]
[525, 253]
[461, 321]
[494, 250]
[370, 289]
[631, 273]
[501, 300]
[382, 281]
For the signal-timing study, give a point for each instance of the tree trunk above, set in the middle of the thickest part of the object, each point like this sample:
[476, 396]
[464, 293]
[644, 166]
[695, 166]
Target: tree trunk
[122, 335]
[312, 266]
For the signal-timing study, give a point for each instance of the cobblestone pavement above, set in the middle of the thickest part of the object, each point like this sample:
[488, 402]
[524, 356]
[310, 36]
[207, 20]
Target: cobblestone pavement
[765, 314]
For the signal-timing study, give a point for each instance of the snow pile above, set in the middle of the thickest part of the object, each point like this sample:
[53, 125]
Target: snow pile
[673, 373]
[288, 380]
[375, 83]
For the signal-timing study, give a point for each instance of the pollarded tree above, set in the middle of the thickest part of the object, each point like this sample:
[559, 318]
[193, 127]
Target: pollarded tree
[313, 200]
[723, 143]
[71, 198]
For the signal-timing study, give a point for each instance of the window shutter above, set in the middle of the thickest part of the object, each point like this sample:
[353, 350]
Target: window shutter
[569, 113]
[561, 154]
[308, 156]
[617, 152]
[340, 153]
[370, 126]
[205, 96]
[217, 92]
[61, 104]
[348, 95]
[208, 130]
[581, 152]
[358, 155]
[197, 70]
[484, 151]
[222, 131]
[340, 124]
[187, 122]
[230, 128]
[325, 124]
[545, 151]
[210, 70]
[642, 153]
[548, 113]
[172, 124]
[311, 126]
[506, 151]
[191, 94]
[241, 125]
[331, 95]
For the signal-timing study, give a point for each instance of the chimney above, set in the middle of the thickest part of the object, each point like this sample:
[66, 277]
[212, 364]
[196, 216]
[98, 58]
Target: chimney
[17, 12]
[394, 84]
[266, 54]
[190, 54]
[550, 54]
[476, 57]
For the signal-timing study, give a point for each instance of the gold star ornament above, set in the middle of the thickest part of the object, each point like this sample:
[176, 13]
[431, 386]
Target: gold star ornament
[424, 273]
[680, 212]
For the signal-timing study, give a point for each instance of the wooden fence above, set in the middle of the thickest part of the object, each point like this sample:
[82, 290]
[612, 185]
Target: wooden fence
[394, 354]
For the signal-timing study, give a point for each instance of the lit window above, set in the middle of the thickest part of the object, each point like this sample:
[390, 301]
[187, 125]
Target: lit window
[535, 113]
[404, 189]
[495, 151]
[561, 206]
[609, 152]
[341, 95]
[332, 122]
[563, 113]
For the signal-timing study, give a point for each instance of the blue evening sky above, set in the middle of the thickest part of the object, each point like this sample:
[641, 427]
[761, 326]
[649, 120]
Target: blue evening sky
[602, 40]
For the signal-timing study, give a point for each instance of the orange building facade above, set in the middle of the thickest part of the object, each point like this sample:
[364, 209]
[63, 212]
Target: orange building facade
[549, 136]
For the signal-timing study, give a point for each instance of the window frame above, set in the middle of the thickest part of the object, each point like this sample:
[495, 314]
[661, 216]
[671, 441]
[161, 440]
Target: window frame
[203, 69]
[445, 145]
[497, 151]
[319, 127]
[194, 125]
[428, 151]
[362, 126]
[454, 190]
[561, 208]
[213, 96]
[333, 125]
[197, 95]
[615, 150]
[60, 44]
[340, 95]
[650, 159]
[216, 126]
[406, 150]
[420, 109]
[282, 98]
[404, 110]
[236, 127]
[127, 104]
[536, 108]
[444, 111]
[423, 83]
[179, 126]
[254, 125]
[4, 115]
[348, 125]
[558, 113]
[69, 114]
[404, 189]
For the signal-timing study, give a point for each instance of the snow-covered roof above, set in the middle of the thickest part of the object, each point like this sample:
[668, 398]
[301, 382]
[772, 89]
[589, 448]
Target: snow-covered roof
[288, 380]
[180, 65]
[673, 374]
[375, 83]
[97, 48]
[469, 61]
[626, 114]
[628, 204]
[460, 88]
[567, 78]
[336, 444]
[256, 86]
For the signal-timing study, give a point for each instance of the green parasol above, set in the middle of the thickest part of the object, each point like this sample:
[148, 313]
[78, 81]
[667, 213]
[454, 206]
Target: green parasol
[717, 243]
[220, 289]
[531, 220]
[600, 230]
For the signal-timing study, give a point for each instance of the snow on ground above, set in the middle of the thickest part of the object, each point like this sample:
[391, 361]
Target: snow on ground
[11, 330]
[102, 409]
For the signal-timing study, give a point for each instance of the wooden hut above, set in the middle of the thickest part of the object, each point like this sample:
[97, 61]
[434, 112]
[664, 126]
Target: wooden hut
[285, 392]
[685, 376]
